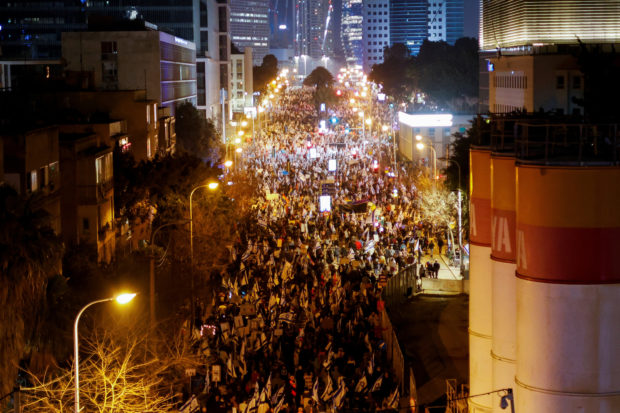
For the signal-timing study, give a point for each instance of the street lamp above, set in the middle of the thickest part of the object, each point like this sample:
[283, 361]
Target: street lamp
[420, 147]
[228, 163]
[211, 186]
[121, 299]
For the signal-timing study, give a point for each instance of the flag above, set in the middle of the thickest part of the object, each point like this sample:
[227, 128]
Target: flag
[315, 391]
[329, 389]
[190, 406]
[371, 365]
[362, 385]
[394, 399]
[377, 384]
[279, 405]
[287, 317]
[229, 368]
[327, 364]
[268, 387]
[277, 396]
[251, 407]
[338, 399]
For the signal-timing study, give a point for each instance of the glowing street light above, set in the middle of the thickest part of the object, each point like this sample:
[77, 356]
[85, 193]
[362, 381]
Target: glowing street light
[238, 150]
[228, 163]
[240, 133]
[244, 123]
[384, 128]
[120, 299]
[237, 141]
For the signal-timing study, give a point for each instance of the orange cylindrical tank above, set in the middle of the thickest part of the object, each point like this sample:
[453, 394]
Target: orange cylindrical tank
[568, 289]
[503, 265]
[480, 308]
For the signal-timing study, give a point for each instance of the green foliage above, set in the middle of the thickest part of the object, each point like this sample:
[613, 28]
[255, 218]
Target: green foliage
[394, 72]
[30, 255]
[319, 78]
[265, 73]
[448, 73]
[195, 134]
[161, 185]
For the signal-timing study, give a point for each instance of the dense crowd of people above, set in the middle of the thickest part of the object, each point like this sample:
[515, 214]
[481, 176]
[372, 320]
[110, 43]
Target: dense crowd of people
[296, 323]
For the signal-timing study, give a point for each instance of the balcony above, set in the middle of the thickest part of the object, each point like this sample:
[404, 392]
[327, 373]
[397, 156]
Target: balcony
[94, 194]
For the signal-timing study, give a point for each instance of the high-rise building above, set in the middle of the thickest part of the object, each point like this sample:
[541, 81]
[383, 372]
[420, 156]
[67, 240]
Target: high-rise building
[408, 23]
[445, 20]
[313, 28]
[376, 33]
[543, 22]
[352, 31]
[33, 29]
[249, 26]
[162, 64]
[213, 59]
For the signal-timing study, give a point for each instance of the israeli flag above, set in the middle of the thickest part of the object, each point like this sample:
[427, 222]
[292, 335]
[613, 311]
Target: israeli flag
[338, 399]
[287, 317]
[279, 406]
[190, 406]
[277, 396]
[394, 399]
[315, 391]
[371, 365]
[377, 384]
[362, 385]
[329, 390]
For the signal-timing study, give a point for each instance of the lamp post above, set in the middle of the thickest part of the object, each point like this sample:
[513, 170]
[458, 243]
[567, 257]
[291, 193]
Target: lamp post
[152, 269]
[121, 299]
[459, 208]
[420, 147]
[212, 186]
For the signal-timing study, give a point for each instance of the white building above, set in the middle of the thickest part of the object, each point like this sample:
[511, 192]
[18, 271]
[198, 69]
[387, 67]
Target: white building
[213, 59]
[241, 81]
[435, 129]
[376, 31]
[437, 20]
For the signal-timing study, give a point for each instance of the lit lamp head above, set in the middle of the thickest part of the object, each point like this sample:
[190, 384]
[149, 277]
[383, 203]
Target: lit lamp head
[368, 121]
[419, 145]
[384, 128]
[361, 114]
[244, 123]
[125, 298]
[238, 141]
[212, 185]
[228, 164]
[238, 150]
[418, 137]
[240, 133]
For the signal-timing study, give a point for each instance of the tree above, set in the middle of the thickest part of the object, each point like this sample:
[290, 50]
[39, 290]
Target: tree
[119, 372]
[30, 255]
[265, 73]
[448, 74]
[195, 134]
[319, 78]
[394, 73]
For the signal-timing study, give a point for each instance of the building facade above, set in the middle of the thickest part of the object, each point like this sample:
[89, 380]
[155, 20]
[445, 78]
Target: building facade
[241, 81]
[249, 26]
[33, 29]
[520, 23]
[352, 29]
[408, 23]
[376, 31]
[163, 65]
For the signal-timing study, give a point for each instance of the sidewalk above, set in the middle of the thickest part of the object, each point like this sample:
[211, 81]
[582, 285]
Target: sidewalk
[448, 281]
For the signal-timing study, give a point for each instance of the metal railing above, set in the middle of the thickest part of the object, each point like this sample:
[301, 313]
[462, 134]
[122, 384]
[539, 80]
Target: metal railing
[400, 286]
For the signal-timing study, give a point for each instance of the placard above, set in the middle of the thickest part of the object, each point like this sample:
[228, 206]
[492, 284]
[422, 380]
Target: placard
[216, 373]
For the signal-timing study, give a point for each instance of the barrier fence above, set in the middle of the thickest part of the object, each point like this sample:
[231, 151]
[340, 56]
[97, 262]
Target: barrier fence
[400, 286]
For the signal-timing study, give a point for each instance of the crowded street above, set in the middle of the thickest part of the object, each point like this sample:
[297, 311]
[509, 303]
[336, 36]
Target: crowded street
[295, 322]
